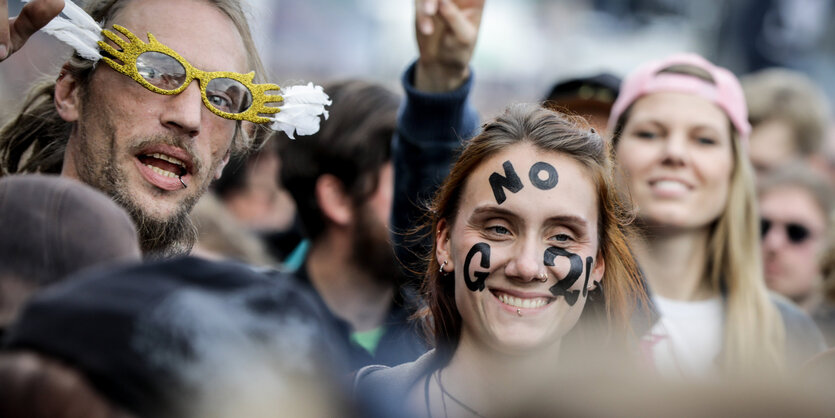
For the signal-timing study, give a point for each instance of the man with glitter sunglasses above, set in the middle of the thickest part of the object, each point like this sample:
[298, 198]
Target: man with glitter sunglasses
[175, 95]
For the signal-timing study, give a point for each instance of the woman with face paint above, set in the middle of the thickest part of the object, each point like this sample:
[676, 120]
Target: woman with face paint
[528, 239]
[680, 131]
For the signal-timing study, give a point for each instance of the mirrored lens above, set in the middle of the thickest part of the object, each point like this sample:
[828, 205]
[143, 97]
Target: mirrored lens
[161, 70]
[228, 95]
[797, 233]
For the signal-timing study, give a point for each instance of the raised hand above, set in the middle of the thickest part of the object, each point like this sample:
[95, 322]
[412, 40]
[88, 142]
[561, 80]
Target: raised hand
[447, 31]
[16, 30]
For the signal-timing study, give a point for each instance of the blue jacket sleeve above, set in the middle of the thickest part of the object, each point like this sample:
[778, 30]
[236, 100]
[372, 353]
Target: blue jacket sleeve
[430, 129]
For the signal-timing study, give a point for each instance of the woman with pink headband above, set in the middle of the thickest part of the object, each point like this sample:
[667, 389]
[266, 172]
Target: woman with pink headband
[680, 130]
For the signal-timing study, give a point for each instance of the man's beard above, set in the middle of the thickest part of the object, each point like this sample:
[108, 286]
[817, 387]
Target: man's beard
[372, 251]
[157, 238]
[160, 238]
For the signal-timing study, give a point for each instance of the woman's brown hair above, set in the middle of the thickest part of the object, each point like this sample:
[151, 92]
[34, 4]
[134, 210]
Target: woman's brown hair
[548, 131]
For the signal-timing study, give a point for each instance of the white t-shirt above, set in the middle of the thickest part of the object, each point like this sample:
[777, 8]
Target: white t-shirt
[687, 339]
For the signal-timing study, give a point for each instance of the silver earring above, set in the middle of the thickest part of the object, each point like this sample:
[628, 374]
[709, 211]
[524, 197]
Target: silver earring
[591, 287]
[441, 270]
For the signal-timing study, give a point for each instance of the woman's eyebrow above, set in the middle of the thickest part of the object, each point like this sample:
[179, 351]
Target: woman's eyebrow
[707, 127]
[578, 224]
[495, 211]
[648, 121]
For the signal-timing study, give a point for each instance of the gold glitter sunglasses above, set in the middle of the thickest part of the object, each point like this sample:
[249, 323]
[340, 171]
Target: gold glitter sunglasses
[161, 70]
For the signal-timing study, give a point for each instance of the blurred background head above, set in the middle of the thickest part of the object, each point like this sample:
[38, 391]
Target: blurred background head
[251, 191]
[679, 125]
[51, 227]
[591, 97]
[341, 178]
[790, 117]
[249, 216]
[796, 204]
[680, 133]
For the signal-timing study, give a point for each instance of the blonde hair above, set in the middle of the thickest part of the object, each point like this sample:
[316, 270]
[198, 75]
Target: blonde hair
[35, 139]
[754, 336]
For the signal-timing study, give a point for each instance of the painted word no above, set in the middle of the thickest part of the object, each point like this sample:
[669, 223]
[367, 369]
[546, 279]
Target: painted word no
[511, 181]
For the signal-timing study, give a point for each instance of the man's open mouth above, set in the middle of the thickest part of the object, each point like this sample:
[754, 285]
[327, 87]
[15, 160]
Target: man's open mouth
[164, 165]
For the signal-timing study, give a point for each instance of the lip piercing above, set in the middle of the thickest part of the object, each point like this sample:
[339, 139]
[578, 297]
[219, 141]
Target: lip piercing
[518, 312]
[441, 270]
[184, 183]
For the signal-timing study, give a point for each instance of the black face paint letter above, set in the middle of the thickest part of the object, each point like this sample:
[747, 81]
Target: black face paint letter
[589, 262]
[547, 184]
[481, 276]
[562, 286]
[509, 181]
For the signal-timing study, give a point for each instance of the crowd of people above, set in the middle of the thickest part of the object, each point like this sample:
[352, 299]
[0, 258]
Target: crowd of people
[660, 244]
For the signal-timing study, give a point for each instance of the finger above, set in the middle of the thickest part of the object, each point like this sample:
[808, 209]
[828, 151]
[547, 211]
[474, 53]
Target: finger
[428, 7]
[34, 16]
[4, 29]
[464, 29]
[425, 11]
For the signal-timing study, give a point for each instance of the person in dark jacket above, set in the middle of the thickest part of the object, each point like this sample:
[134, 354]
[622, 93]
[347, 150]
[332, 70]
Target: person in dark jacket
[342, 181]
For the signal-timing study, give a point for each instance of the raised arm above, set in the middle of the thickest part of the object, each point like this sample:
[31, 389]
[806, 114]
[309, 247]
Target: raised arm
[435, 117]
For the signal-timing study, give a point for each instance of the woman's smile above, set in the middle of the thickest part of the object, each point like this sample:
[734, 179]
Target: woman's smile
[513, 299]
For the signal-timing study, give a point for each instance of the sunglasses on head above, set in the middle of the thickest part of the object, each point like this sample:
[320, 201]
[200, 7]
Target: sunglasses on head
[796, 233]
[161, 70]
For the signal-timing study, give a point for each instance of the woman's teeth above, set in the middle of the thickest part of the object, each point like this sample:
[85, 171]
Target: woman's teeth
[522, 302]
[670, 186]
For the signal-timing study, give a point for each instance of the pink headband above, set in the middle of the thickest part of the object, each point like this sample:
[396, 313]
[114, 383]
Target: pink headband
[725, 92]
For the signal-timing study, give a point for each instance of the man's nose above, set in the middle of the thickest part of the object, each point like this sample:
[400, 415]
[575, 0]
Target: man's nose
[775, 237]
[183, 112]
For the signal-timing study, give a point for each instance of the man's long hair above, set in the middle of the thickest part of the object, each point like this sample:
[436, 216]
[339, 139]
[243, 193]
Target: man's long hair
[35, 139]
